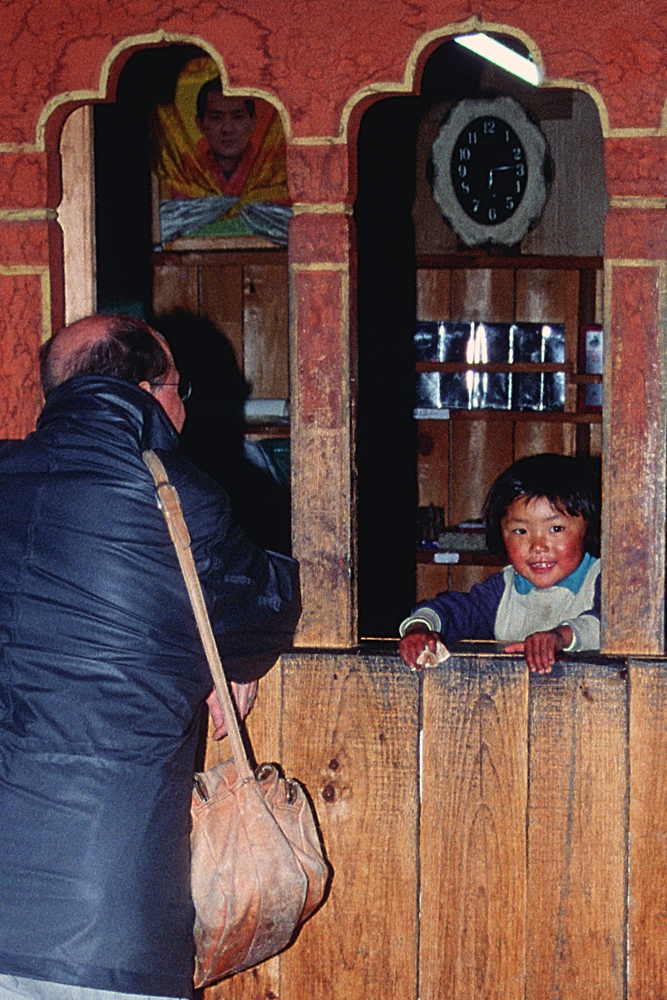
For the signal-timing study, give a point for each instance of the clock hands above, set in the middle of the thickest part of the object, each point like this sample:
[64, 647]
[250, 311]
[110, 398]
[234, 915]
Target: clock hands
[509, 166]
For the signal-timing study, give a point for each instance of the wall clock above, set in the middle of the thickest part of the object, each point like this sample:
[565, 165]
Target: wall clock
[491, 171]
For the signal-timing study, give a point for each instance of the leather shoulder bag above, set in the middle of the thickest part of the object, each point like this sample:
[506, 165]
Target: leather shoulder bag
[258, 868]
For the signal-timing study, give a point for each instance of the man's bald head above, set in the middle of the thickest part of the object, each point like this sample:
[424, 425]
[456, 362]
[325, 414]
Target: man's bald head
[121, 346]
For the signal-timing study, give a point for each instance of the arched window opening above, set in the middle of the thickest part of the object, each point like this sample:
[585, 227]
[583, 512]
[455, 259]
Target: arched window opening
[433, 433]
[188, 230]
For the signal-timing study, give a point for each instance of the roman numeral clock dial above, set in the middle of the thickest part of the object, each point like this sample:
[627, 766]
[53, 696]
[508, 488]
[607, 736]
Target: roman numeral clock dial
[490, 171]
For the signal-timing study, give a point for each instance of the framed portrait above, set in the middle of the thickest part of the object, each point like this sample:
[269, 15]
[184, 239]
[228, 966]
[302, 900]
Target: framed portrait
[219, 166]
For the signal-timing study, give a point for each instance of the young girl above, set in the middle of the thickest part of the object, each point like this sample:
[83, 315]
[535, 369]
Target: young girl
[542, 516]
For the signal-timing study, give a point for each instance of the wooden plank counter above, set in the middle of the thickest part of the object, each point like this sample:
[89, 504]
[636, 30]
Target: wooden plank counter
[492, 834]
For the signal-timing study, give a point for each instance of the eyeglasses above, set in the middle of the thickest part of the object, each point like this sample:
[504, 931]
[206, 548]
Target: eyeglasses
[184, 387]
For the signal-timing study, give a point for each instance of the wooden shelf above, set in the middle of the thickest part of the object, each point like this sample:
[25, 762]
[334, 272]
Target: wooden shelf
[517, 368]
[478, 259]
[545, 416]
[464, 558]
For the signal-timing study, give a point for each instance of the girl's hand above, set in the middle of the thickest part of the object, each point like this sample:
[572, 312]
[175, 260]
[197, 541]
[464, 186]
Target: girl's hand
[540, 648]
[413, 644]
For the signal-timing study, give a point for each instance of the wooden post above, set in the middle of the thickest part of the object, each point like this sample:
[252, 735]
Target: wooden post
[635, 412]
[323, 389]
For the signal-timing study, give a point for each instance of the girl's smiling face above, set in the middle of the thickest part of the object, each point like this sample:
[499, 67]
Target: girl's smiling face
[543, 543]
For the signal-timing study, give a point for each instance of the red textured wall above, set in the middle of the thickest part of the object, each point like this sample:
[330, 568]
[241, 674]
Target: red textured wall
[313, 56]
[323, 61]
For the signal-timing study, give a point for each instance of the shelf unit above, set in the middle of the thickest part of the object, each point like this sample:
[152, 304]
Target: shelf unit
[459, 457]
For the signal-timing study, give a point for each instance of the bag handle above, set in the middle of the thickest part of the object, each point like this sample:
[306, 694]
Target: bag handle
[170, 505]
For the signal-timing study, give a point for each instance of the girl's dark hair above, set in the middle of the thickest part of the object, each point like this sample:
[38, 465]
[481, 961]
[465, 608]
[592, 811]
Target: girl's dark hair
[572, 485]
[130, 351]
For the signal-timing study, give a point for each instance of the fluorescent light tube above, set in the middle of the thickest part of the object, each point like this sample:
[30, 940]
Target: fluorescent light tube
[501, 55]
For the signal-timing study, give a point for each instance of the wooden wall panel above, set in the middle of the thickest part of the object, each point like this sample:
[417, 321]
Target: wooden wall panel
[647, 917]
[433, 463]
[222, 303]
[481, 449]
[431, 579]
[473, 830]
[577, 836]
[540, 798]
[360, 763]
[482, 295]
[433, 294]
[265, 336]
[547, 295]
[531, 437]
[464, 577]
[175, 287]
[245, 295]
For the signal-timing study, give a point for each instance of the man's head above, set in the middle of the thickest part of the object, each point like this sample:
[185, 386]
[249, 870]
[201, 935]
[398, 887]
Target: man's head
[226, 122]
[119, 346]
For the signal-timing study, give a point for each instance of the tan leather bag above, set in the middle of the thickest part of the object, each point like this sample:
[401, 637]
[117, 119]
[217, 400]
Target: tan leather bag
[258, 869]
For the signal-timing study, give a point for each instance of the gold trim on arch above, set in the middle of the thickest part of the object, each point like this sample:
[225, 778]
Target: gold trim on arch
[28, 214]
[637, 201]
[635, 262]
[321, 208]
[389, 87]
[42, 270]
[137, 42]
[406, 85]
[320, 266]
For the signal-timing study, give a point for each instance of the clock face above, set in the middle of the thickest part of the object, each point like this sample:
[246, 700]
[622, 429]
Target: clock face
[489, 170]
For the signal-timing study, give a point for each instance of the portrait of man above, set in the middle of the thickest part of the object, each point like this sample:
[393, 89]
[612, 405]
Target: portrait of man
[219, 161]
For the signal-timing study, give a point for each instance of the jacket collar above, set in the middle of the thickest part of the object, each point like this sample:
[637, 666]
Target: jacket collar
[104, 402]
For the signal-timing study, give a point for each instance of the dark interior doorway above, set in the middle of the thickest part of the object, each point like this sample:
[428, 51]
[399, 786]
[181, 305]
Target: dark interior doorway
[386, 432]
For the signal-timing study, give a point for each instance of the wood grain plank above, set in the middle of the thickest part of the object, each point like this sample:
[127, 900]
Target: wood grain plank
[481, 450]
[634, 461]
[647, 917]
[175, 286]
[353, 740]
[431, 579]
[222, 301]
[322, 535]
[533, 437]
[265, 330]
[433, 463]
[76, 214]
[577, 834]
[483, 295]
[464, 577]
[433, 294]
[473, 830]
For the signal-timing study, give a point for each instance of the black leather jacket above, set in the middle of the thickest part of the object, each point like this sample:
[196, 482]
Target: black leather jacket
[102, 678]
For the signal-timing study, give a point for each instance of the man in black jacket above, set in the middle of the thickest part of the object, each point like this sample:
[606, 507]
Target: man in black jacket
[102, 674]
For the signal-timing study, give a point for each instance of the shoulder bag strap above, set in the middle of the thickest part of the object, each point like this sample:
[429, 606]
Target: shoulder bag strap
[171, 508]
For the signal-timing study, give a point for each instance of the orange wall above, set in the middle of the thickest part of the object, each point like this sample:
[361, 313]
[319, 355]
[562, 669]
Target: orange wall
[323, 62]
[313, 56]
